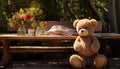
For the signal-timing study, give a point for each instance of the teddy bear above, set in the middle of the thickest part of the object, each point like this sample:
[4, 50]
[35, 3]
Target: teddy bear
[86, 45]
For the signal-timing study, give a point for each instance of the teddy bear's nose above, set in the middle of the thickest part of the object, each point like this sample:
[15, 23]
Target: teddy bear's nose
[82, 30]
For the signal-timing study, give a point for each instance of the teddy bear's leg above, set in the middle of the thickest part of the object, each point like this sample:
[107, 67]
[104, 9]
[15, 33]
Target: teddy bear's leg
[77, 61]
[100, 61]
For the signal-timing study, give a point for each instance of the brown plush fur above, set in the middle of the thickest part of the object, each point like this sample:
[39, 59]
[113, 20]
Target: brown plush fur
[87, 45]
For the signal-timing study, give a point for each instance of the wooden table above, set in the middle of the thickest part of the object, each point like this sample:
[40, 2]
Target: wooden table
[6, 38]
[55, 39]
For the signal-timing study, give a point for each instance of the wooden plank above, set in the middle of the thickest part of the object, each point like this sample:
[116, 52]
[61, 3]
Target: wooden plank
[39, 49]
[105, 36]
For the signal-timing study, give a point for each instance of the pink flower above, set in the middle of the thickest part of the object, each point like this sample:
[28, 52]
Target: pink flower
[22, 16]
[18, 17]
[14, 26]
[44, 22]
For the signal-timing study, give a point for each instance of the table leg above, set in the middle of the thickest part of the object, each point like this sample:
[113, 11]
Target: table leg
[6, 58]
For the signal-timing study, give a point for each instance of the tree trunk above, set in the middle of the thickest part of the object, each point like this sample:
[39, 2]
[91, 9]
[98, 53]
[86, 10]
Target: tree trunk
[118, 13]
[94, 10]
[112, 16]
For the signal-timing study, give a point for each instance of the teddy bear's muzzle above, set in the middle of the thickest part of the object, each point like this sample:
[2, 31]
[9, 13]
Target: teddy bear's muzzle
[83, 32]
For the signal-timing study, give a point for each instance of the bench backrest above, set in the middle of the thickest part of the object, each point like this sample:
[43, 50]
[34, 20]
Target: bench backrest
[65, 23]
[70, 25]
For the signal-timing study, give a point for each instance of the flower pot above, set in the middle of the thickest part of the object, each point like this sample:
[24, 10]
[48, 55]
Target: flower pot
[39, 31]
[21, 30]
[31, 32]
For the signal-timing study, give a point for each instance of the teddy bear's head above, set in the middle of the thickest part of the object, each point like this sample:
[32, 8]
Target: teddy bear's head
[85, 27]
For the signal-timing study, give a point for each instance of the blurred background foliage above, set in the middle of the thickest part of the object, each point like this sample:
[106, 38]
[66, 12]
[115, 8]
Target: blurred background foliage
[51, 10]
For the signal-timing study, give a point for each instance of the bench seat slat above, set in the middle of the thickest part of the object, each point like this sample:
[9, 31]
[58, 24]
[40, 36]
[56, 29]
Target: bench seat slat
[40, 49]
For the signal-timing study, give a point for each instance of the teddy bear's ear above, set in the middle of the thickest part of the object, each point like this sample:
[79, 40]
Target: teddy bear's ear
[94, 22]
[75, 22]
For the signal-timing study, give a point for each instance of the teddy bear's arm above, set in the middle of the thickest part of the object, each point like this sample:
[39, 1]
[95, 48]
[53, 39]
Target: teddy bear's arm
[95, 45]
[77, 44]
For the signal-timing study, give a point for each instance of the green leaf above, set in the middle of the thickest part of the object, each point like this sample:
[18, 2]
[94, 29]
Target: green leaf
[21, 10]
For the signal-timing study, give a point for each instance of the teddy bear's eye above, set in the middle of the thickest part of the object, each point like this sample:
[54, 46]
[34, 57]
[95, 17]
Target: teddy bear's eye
[79, 28]
[85, 27]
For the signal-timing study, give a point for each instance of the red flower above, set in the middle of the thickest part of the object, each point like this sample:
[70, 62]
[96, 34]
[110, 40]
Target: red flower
[26, 16]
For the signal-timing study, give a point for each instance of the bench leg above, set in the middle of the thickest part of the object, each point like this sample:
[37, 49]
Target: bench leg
[6, 58]
[105, 48]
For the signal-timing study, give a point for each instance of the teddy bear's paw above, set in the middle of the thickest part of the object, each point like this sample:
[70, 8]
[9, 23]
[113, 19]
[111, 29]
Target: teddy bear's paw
[100, 61]
[95, 48]
[77, 48]
[77, 62]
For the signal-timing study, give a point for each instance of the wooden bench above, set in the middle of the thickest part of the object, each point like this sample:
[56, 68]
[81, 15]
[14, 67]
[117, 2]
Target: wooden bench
[55, 40]
[57, 43]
